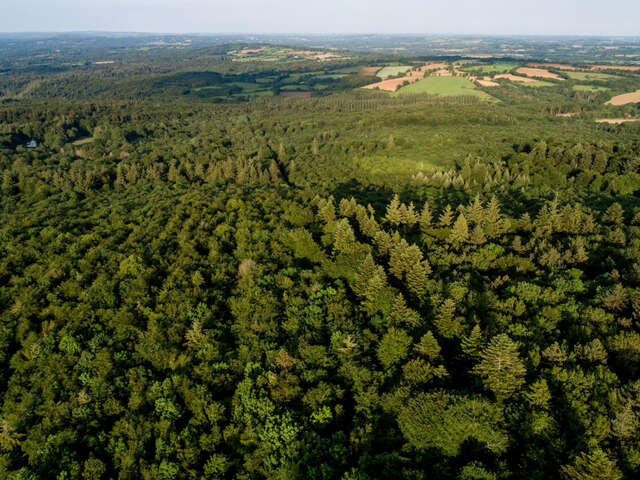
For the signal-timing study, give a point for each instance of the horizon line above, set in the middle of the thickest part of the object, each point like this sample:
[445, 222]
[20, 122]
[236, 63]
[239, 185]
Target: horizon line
[134, 32]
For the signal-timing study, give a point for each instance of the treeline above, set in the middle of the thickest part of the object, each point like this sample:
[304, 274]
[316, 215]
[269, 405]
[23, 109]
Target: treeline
[614, 169]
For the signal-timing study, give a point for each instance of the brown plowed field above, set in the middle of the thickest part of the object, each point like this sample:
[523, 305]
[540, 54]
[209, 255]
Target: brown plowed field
[538, 72]
[625, 99]
[515, 78]
[369, 71]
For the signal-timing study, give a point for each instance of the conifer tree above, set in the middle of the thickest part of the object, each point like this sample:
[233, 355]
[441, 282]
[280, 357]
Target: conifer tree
[614, 215]
[327, 210]
[595, 465]
[472, 344]
[417, 277]
[500, 367]
[475, 211]
[343, 237]
[403, 315]
[460, 231]
[428, 346]
[410, 216]
[493, 218]
[274, 172]
[447, 217]
[445, 321]
[477, 235]
[394, 215]
[425, 218]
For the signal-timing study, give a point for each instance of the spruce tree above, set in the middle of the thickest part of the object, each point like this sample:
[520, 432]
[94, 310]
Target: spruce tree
[501, 368]
[460, 231]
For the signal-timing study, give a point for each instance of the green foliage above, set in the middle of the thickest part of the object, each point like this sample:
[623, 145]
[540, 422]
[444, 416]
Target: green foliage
[393, 347]
[445, 421]
[500, 367]
[594, 465]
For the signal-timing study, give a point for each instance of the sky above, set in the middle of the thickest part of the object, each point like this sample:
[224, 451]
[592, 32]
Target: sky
[495, 17]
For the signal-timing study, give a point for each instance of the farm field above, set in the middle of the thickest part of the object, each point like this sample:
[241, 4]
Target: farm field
[485, 82]
[583, 76]
[392, 84]
[529, 82]
[281, 54]
[625, 99]
[627, 68]
[367, 71]
[392, 71]
[559, 66]
[538, 73]
[498, 67]
[515, 78]
[451, 86]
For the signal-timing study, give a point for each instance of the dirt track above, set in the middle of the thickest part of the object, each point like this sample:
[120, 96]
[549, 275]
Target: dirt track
[616, 121]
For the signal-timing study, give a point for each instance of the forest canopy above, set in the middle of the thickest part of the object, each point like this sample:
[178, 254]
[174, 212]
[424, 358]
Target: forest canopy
[348, 285]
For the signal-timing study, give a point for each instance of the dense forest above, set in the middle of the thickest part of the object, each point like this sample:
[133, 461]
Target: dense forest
[348, 286]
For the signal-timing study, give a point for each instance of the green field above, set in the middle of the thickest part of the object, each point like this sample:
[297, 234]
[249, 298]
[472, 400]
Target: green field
[589, 88]
[591, 76]
[452, 86]
[392, 71]
[499, 67]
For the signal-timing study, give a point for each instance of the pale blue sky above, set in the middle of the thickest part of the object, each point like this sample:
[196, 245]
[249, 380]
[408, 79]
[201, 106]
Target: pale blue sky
[571, 17]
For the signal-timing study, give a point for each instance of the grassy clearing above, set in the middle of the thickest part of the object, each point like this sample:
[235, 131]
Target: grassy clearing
[392, 71]
[589, 88]
[498, 67]
[83, 141]
[451, 86]
[582, 76]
